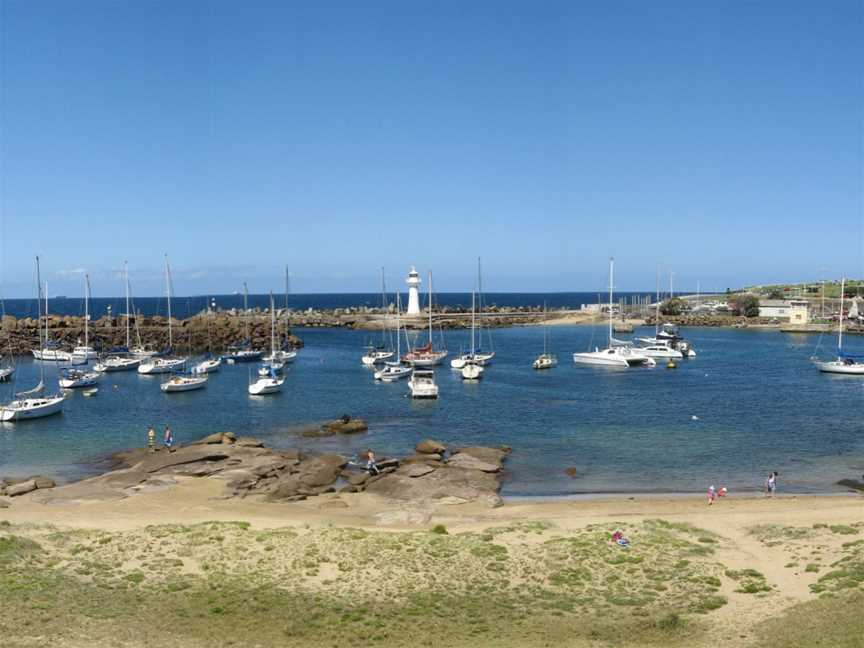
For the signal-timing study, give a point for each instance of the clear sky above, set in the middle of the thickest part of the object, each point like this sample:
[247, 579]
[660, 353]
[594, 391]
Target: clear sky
[720, 139]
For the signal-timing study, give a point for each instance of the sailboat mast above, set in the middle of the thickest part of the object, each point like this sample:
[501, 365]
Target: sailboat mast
[398, 326]
[430, 309]
[39, 300]
[611, 283]
[126, 277]
[246, 311]
[840, 319]
[657, 306]
[287, 290]
[473, 304]
[272, 327]
[46, 311]
[168, 285]
[87, 312]
[383, 309]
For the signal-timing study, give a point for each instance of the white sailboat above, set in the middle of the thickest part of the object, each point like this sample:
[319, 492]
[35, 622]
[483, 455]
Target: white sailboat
[7, 367]
[376, 355]
[472, 368]
[426, 356]
[477, 356]
[166, 364]
[208, 364]
[393, 371]
[31, 404]
[120, 361]
[83, 354]
[50, 350]
[272, 363]
[271, 380]
[545, 360]
[614, 355]
[845, 363]
[184, 382]
[284, 354]
[243, 351]
[75, 378]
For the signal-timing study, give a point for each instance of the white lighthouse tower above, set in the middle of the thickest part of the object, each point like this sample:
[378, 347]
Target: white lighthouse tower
[413, 282]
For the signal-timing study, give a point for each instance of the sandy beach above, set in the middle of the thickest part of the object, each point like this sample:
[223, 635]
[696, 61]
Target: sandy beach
[742, 572]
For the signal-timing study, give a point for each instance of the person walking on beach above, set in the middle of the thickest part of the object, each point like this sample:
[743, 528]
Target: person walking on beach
[771, 484]
[169, 438]
[371, 466]
[151, 439]
[712, 494]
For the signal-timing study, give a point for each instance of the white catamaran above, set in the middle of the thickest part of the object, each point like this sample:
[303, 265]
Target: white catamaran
[620, 355]
[845, 363]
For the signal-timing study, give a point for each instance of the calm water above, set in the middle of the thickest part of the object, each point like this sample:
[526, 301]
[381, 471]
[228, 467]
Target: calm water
[760, 406]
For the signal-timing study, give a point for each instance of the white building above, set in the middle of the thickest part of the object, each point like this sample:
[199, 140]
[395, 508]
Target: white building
[797, 311]
[413, 282]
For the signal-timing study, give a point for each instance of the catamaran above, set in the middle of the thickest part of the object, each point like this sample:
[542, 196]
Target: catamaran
[31, 404]
[393, 371]
[164, 364]
[375, 355]
[119, 359]
[426, 356]
[845, 363]
[621, 355]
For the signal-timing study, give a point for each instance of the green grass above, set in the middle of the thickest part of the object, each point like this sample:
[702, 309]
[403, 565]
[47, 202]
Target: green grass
[833, 622]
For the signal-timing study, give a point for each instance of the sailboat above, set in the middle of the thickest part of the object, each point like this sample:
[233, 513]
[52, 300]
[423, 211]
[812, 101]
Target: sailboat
[393, 371]
[7, 367]
[471, 369]
[120, 359]
[271, 381]
[83, 354]
[50, 350]
[31, 404]
[845, 363]
[545, 360]
[614, 355]
[375, 355]
[75, 378]
[209, 364]
[286, 353]
[242, 351]
[272, 363]
[426, 356]
[164, 364]
[477, 355]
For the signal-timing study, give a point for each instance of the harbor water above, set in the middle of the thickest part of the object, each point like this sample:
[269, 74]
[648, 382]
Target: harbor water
[750, 402]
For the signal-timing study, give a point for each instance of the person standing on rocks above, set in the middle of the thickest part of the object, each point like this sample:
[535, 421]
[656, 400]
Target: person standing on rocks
[371, 466]
[151, 439]
[169, 438]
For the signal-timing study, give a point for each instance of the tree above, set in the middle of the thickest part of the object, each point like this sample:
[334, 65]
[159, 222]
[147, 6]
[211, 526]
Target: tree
[674, 306]
[746, 305]
[776, 293]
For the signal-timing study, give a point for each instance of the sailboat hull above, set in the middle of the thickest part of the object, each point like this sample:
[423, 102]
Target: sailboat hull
[839, 367]
[184, 384]
[31, 408]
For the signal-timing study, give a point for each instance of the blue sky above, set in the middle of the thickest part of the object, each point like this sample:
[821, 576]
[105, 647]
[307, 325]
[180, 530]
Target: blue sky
[720, 139]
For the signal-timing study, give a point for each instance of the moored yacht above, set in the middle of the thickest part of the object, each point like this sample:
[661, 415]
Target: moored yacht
[422, 384]
[845, 363]
[75, 378]
[184, 382]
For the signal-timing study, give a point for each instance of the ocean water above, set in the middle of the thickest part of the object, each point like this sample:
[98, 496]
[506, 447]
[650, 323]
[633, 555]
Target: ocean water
[758, 404]
[186, 306]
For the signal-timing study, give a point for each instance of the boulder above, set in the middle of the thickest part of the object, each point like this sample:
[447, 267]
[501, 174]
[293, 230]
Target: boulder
[44, 482]
[423, 458]
[471, 485]
[345, 425]
[429, 446]
[852, 483]
[473, 463]
[416, 470]
[284, 489]
[4, 503]
[218, 437]
[249, 442]
[323, 476]
[358, 478]
[489, 455]
[21, 488]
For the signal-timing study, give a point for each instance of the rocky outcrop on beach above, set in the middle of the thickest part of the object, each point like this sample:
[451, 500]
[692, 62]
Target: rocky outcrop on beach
[249, 469]
[14, 487]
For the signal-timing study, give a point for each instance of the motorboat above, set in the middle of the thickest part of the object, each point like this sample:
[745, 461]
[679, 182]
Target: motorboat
[422, 384]
[75, 378]
[662, 350]
[51, 353]
[270, 367]
[375, 356]
[237, 354]
[184, 382]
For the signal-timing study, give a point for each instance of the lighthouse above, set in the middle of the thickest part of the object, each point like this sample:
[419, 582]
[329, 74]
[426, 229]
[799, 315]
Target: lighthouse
[413, 282]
